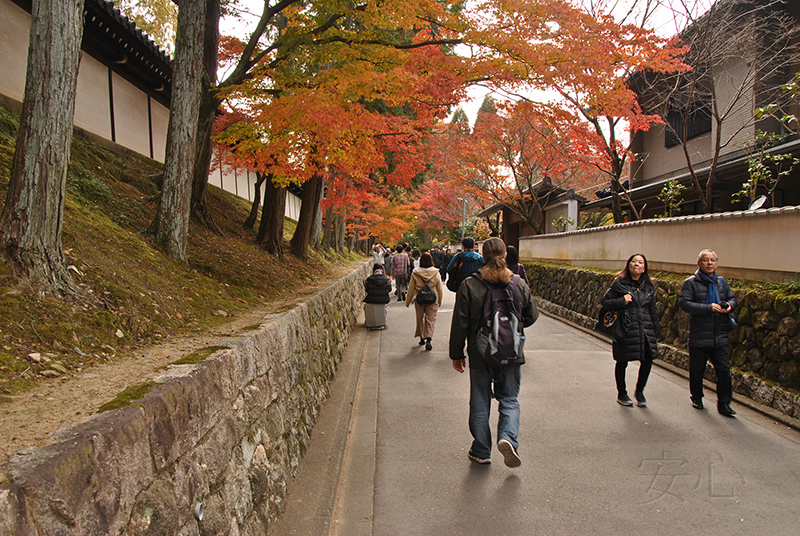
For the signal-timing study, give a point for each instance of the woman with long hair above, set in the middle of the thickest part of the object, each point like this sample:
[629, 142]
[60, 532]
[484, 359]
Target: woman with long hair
[487, 380]
[632, 292]
[425, 274]
[512, 261]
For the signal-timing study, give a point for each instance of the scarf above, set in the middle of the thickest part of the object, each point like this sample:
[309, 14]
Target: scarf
[713, 295]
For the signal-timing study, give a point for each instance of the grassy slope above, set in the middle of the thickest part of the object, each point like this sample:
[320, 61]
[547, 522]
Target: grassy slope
[111, 201]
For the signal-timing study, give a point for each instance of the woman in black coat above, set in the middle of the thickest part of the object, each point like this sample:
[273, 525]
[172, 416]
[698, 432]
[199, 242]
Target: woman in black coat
[633, 293]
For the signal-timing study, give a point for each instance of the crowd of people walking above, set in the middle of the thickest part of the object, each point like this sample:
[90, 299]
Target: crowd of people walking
[493, 305]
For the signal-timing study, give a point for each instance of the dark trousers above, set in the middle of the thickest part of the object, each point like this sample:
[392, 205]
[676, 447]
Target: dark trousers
[644, 372]
[698, 357]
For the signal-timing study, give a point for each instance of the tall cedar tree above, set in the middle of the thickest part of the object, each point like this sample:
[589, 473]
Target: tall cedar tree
[31, 223]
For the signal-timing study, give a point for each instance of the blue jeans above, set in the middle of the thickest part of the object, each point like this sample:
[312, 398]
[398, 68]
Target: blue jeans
[506, 390]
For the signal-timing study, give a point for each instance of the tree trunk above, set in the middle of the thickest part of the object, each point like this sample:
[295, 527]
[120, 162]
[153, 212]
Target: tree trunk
[316, 231]
[31, 223]
[172, 220]
[270, 232]
[206, 116]
[341, 228]
[251, 219]
[312, 193]
[328, 239]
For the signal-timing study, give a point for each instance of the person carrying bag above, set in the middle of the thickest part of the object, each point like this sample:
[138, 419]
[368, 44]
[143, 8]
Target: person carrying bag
[633, 297]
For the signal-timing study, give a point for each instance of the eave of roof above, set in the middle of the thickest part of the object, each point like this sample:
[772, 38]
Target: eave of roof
[115, 40]
[686, 178]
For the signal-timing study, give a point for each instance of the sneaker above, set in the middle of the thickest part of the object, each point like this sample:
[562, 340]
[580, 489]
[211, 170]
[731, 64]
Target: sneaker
[475, 459]
[624, 400]
[509, 453]
[428, 344]
[421, 341]
[641, 401]
[697, 404]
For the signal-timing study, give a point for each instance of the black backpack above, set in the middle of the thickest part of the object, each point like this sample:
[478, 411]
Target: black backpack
[455, 279]
[500, 338]
[426, 295]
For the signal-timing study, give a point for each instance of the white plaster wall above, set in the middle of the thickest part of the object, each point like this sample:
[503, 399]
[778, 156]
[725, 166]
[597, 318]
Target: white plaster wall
[92, 102]
[228, 181]
[762, 244]
[130, 116]
[160, 121]
[293, 204]
[15, 28]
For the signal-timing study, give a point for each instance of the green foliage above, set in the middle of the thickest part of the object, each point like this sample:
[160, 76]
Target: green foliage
[588, 220]
[672, 197]
[561, 223]
[766, 169]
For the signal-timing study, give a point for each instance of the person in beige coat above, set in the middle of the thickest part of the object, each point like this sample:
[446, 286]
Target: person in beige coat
[428, 274]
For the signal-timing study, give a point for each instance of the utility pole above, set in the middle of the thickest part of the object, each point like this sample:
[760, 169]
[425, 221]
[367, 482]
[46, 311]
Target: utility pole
[463, 217]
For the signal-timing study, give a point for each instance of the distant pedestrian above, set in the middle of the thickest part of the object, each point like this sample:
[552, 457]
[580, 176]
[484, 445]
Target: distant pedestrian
[437, 256]
[378, 254]
[387, 262]
[446, 258]
[464, 264]
[425, 274]
[709, 301]
[400, 265]
[512, 261]
[487, 380]
[633, 295]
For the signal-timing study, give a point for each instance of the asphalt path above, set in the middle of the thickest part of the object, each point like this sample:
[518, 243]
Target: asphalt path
[398, 464]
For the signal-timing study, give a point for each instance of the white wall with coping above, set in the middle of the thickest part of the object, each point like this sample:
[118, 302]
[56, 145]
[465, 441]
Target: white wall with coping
[759, 245]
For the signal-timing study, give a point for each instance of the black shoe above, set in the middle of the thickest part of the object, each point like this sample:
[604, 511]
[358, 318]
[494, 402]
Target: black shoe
[624, 399]
[641, 401]
[697, 404]
[726, 410]
[421, 341]
[428, 344]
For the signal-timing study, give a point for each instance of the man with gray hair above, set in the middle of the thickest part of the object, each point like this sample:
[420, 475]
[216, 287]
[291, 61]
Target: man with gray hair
[708, 300]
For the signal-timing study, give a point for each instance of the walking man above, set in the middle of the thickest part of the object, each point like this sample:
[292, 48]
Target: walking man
[463, 264]
[488, 380]
[708, 300]
[400, 264]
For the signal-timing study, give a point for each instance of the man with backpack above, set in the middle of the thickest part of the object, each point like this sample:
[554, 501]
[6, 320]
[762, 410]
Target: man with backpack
[463, 264]
[492, 307]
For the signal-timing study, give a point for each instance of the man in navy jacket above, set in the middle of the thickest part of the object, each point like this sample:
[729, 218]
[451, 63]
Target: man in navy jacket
[708, 300]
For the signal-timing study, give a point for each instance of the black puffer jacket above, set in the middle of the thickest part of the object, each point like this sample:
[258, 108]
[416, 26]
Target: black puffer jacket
[641, 323]
[378, 287]
[707, 329]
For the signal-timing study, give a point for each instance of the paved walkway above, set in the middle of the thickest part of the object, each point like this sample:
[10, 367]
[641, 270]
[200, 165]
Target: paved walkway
[397, 464]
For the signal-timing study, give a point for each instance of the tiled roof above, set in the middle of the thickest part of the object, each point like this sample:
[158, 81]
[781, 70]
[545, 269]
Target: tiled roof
[128, 25]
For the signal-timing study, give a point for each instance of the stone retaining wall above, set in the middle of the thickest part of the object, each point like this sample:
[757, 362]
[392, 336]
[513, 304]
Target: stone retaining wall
[224, 436]
[765, 347]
